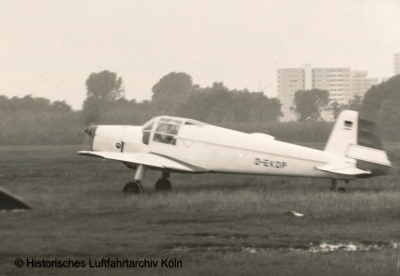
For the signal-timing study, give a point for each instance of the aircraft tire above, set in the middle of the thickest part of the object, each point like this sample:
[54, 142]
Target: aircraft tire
[131, 188]
[163, 184]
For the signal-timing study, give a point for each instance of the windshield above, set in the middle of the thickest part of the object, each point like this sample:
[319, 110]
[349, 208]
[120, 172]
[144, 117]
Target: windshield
[147, 127]
[166, 131]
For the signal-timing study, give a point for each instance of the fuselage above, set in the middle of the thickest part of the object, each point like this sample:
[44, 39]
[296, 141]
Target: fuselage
[209, 148]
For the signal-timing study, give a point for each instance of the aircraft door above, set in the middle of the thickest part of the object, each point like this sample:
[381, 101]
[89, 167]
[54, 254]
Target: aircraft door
[147, 133]
[165, 138]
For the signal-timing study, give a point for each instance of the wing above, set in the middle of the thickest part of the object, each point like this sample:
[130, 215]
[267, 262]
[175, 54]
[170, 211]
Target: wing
[148, 159]
[348, 169]
[9, 201]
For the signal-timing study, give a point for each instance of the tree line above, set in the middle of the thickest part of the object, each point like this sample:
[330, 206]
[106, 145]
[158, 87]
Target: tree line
[381, 104]
[176, 95]
[31, 120]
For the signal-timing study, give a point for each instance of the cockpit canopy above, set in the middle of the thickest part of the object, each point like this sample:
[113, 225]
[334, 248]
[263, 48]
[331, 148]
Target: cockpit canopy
[165, 129]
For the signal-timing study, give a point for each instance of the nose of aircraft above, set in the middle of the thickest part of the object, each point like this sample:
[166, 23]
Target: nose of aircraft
[91, 130]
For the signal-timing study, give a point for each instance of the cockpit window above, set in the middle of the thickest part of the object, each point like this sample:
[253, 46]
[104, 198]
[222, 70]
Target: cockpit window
[167, 128]
[146, 133]
[146, 137]
[166, 131]
[149, 127]
[170, 121]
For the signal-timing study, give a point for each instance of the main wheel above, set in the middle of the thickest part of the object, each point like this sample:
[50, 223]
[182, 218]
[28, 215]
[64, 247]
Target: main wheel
[131, 188]
[163, 184]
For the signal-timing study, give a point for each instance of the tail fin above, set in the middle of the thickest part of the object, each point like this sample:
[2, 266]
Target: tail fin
[355, 138]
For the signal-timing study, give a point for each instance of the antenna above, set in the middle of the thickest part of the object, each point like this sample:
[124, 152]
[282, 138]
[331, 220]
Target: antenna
[263, 89]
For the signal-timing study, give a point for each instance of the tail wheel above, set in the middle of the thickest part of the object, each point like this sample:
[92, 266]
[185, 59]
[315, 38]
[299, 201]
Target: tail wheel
[163, 184]
[131, 188]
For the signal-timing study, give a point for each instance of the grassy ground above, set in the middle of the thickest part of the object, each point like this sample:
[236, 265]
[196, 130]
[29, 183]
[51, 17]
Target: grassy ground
[215, 224]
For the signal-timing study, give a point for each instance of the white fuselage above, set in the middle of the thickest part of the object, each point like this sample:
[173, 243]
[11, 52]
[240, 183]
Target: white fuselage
[214, 149]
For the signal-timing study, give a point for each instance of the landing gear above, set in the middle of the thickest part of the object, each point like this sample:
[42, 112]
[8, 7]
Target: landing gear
[343, 189]
[131, 188]
[163, 184]
[336, 189]
[134, 187]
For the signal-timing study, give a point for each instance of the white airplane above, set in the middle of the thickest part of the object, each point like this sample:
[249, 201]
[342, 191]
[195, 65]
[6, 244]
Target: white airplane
[171, 144]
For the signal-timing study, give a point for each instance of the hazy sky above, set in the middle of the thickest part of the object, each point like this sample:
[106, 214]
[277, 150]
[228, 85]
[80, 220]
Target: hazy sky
[49, 48]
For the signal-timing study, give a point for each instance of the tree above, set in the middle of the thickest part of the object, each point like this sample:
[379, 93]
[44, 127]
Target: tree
[355, 103]
[102, 89]
[61, 106]
[171, 91]
[207, 104]
[308, 104]
[30, 120]
[218, 104]
[335, 108]
[104, 86]
[91, 111]
[381, 104]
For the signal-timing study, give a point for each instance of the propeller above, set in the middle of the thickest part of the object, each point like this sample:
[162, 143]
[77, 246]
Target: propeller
[91, 130]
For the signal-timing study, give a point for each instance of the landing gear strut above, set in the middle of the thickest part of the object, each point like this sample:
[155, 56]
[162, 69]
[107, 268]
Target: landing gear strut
[163, 184]
[134, 187]
[334, 185]
[336, 189]
[343, 189]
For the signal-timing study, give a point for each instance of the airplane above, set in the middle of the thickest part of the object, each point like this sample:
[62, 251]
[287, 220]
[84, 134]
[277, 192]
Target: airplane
[181, 145]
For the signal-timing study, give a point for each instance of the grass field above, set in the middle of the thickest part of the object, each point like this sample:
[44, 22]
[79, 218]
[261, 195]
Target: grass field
[215, 224]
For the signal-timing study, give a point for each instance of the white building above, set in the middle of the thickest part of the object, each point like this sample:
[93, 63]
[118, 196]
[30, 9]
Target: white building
[336, 80]
[307, 77]
[360, 83]
[397, 63]
[290, 80]
[341, 83]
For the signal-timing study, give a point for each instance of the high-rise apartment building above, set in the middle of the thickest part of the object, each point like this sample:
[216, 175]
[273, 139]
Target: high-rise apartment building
[360, 83]
[290, 80]
[336, 80]
[307, 77]
[342, 84]
[397, 63]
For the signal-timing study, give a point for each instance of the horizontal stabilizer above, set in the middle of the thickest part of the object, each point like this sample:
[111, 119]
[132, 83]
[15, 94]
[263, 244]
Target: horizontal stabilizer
[368, 154]
[347, 169]
[146, 159]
